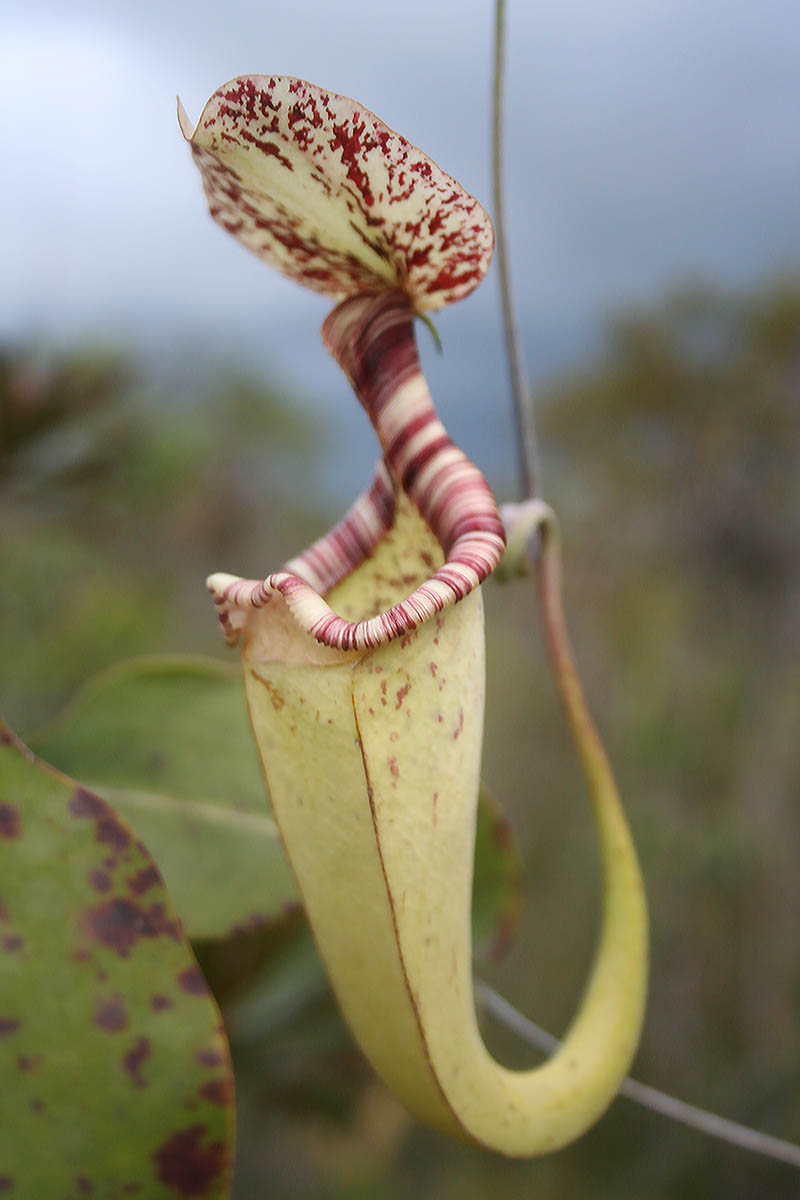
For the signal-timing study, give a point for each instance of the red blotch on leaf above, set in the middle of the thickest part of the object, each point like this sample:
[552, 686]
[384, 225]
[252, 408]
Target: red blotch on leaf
[502, 834]
[86, 804]
[84, 1185]
[8, 1025]
[146, 878]
[250, 924]
[110, 1015]
[109, 829]
[193, 981]
[28, 1064]
[186, 1165]
[210, 1058]
[100, 880]
[159, 1003]
[218, 1091]
[6, 1183]
[134, 1060]
[13, 943]
[9, 821]
[119, 924]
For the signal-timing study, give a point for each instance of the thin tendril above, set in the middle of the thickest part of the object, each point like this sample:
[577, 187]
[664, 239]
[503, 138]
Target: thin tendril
[648, 1097]
[641, 1093]
[527, 450]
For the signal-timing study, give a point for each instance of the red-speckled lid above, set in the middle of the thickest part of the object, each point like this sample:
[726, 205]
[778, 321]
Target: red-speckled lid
[318, 187]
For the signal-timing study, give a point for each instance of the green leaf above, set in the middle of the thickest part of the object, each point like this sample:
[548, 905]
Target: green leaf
[167, 742]
[116, 1075]
[170, 724]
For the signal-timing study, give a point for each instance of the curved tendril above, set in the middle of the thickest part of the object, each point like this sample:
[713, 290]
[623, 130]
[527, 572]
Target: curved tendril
[371, 336]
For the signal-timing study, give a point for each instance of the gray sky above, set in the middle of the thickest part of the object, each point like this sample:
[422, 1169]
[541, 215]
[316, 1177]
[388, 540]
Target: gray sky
[648, 141]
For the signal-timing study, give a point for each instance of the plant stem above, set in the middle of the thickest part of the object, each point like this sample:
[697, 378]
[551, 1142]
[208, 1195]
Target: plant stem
[527, 451]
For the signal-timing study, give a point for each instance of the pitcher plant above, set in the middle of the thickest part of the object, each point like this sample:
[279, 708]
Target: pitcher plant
[363, 657]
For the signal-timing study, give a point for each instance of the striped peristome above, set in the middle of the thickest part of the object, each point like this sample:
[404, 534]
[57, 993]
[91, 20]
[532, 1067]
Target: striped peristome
[372, 339]
[320, 188]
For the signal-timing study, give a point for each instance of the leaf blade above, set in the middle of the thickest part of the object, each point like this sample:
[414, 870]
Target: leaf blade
[139, 735]
[108, 1033]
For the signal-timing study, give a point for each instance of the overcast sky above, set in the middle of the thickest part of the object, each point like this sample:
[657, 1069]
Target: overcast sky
[648, 141]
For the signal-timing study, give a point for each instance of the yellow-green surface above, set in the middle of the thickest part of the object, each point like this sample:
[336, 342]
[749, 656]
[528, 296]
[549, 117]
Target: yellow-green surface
[373, 763]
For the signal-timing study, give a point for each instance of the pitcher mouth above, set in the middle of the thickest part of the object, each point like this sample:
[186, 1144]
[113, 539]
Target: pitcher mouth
[371, 336]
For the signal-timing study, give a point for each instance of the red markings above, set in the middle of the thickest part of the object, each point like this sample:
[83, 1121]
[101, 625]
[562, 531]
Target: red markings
[188, 1166]
[134, 1059]
[401, 695]
[85, 804]
[394, 770]
[160, 1003]
[346, 155]
[218, 1091]
[144, 879]
[84, 1185]
[10, 823]
[245, 94]
[100, 880]
[8, 1025]
[503, 835]
[419, 258]
[276, 699]
[449, 280]
[109, 829]
[110, 1015]
[193, 982]
[460, 727]
[119, 924]
[350, 145]
[268, 148]
[210, 1058]
[28, 1064]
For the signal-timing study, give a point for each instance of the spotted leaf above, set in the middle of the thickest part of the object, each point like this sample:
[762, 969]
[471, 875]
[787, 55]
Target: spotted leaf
[116, 1075]
[166, 741]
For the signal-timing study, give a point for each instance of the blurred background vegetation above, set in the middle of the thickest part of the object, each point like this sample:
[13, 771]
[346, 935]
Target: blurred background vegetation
[673, 460]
